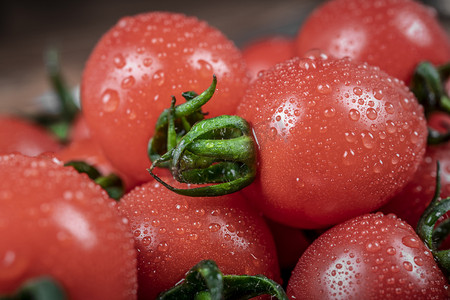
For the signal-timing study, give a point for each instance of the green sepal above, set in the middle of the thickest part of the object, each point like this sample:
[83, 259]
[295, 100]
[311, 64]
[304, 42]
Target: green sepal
[111, 183]
[205, 281]
[41, 288]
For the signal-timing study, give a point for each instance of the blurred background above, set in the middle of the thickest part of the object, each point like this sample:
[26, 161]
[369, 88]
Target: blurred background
[28, 28]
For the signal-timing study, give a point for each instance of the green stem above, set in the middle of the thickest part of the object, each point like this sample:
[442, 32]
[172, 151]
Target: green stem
[428, 85]
[41, 288]
[205, 281]
[431, 234]
[227, 142]
[111, 183]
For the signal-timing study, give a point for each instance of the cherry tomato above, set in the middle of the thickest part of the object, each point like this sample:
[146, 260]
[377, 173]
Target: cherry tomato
[393, 34]
[19, 135]
[373, 256]
[336, 139]
[79, 129]
[173, 233]
[412, 201]
[135, 69]
[261, 54]
[57, 222]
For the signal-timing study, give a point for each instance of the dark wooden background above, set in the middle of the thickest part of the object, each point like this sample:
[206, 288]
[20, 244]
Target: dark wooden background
[28, 28]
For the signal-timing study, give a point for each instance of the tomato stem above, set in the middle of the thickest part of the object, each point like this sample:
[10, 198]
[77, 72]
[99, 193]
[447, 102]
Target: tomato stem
[41, 288]
[431, 234]
[184, 116]
[205, 281]
[427, 84]
[220, 150]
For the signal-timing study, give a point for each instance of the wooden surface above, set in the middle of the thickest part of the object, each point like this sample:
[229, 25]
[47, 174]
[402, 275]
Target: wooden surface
[27, 28]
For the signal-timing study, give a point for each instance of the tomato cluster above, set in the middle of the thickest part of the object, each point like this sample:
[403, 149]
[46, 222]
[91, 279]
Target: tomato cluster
[319, 133]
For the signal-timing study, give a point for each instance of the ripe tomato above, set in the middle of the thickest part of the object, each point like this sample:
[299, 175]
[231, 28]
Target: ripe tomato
[135, 69]
[336, 139]
[79, 129]
[393, 34]
[19, 135]
[264, 53]
[173, 233]
[57, 222]
[412, 201]
[373, 256]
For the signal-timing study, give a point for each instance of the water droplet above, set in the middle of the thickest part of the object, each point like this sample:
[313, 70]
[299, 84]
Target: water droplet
[411, 241]
[368, 140]
[378, 94]
[354, 114]
[128, 82]
[323, 89]
[389, 107]
[214, 227]
[163, 246]
[371, 113]
[391, 251]
[159, 77]
[408, 266]
[418, 261]
[147, 61]
[373, 247]
[205, 68]
[395, 159]
[390, 126]
[110, 100]
[119, 61]
[329, 112]
[348, 157]
[146, 241]
[357, 91]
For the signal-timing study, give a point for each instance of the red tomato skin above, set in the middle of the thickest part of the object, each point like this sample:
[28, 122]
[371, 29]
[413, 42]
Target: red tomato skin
[138, 65]
[19, 135]
[373, 256]
[263, 53]
[377, 32]
[336, 139]
[79, 129]
[414, 198]
[55, 221]
[173, 233]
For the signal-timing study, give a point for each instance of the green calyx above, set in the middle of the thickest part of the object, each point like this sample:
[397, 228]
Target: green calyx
[428, 85]
[431, 231]
[219, 151]
[111, 183]
[41, 288]
[206, 282]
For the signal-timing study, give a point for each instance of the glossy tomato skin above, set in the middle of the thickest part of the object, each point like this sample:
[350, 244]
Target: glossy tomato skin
[373, 256]
[263, 53]
[336, 139]
[135, 69]
[57, 222]
[19, 135]
[393, 34]
[414, 198]
[173, 233]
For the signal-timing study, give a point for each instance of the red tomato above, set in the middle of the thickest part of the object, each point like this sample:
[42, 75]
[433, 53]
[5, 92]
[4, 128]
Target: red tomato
[173, 233]
[79, 129]
[412, 201]
[57, 222]
[336, 139]
[135, 69]
[370, 257]
[393, 34]
[19, 135]
[264, 53]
